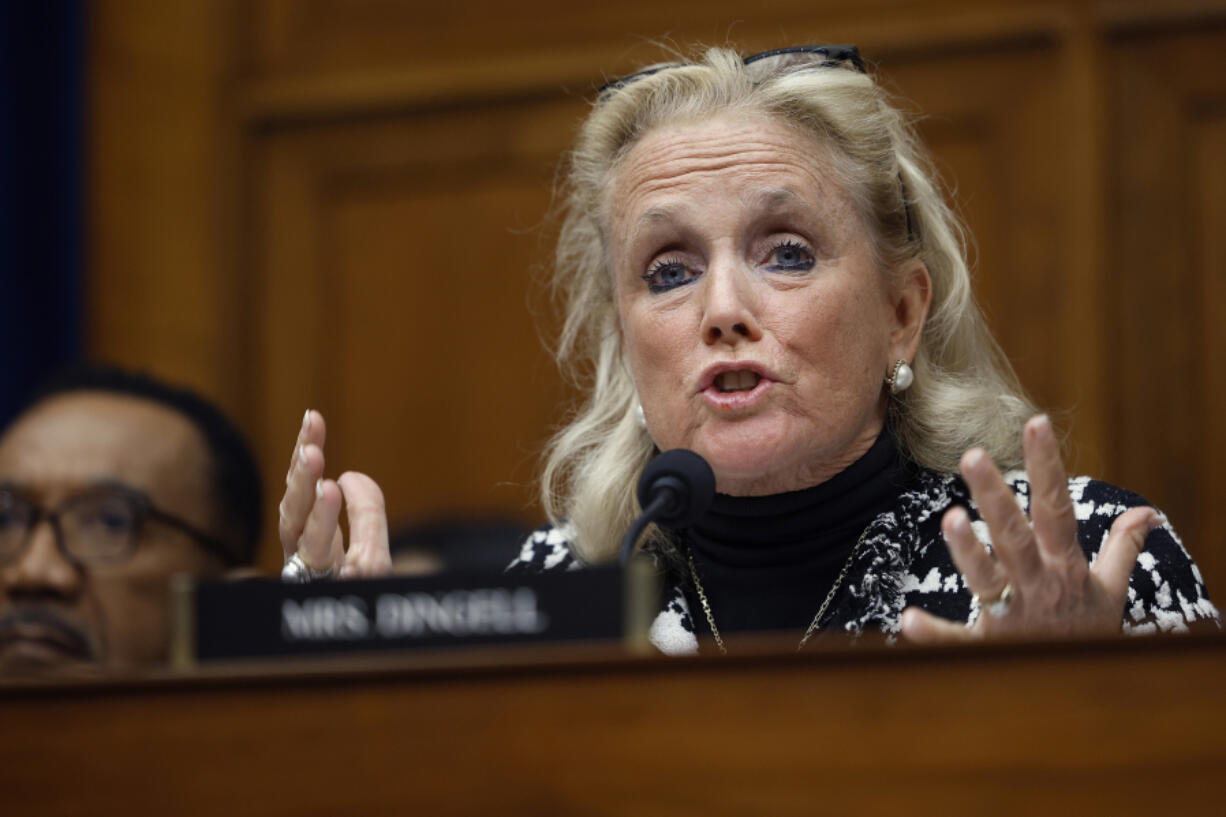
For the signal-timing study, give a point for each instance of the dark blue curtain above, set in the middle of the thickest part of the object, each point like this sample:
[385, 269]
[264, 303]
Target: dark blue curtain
[42, 235]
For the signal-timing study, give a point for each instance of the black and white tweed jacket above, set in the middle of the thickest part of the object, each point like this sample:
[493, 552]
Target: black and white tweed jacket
[904, 561]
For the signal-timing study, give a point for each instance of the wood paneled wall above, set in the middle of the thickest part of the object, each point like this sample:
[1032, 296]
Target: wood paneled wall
[344, 205]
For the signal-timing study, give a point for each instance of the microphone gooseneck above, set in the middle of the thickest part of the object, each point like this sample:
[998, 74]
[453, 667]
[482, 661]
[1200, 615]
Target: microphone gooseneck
[675, 490]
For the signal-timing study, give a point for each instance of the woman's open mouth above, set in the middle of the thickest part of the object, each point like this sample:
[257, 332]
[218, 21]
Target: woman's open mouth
[739, 380]
[732, 389]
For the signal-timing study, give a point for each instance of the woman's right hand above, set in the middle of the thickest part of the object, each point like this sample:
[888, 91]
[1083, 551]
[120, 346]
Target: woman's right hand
[310, 512]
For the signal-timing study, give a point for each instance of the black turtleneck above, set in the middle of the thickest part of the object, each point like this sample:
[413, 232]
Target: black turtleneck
[767, 562]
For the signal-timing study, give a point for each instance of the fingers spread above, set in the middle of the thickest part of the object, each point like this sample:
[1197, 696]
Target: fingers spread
[1051, 507]
[921, 627]
[368, 544]
[319, 537]
[1012, 538]
[1118, 555]
[983, 575]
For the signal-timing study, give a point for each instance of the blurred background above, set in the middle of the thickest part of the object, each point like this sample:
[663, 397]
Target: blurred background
[344, 205]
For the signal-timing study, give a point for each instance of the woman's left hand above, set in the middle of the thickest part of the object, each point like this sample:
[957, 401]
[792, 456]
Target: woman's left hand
[1039, 583]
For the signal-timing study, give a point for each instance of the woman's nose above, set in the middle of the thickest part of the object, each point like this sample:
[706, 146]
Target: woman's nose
[730, 305]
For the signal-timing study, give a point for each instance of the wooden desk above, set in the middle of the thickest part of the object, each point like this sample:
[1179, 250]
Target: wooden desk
[1135, 726]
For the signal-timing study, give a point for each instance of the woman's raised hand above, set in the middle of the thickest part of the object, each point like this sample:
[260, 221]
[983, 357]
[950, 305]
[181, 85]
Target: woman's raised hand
[1039, 582]
[310, 512]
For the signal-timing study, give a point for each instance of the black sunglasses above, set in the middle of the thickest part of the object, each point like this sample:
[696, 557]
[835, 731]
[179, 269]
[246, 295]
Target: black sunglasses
[831, 56]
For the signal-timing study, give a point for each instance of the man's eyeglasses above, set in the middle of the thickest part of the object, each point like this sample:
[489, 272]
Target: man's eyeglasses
[97, 527]
[821, 56]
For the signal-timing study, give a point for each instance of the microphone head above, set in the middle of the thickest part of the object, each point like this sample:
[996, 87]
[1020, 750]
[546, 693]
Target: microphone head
[687, 477]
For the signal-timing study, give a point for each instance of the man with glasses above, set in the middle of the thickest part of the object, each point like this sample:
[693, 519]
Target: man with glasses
[110, 483]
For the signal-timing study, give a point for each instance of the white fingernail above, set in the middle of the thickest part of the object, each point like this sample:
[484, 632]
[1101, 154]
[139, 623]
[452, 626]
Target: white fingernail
[306, 420]
[319, 488]
[302, 455]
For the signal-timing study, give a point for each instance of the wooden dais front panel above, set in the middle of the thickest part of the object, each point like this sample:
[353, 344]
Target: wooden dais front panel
[1126, 727]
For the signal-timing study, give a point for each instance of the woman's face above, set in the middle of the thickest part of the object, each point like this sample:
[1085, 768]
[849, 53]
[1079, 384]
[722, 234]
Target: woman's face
[756, 323]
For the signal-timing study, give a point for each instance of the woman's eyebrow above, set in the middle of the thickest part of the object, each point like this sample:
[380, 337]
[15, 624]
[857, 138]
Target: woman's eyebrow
[656, 214]
[774, 197]
[653, 217]
[785, 202]
[768, 203]
[778, 201]
[771, 198]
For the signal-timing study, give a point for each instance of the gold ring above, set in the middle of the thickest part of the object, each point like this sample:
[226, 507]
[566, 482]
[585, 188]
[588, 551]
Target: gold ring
[998, 605]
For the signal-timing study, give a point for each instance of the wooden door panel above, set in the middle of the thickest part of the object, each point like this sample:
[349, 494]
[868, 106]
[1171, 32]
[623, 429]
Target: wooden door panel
[1168, 97]
[1006, 166]
[397, 263]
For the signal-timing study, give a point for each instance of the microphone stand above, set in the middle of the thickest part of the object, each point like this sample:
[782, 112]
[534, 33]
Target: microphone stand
[662, 500]
[676, 488]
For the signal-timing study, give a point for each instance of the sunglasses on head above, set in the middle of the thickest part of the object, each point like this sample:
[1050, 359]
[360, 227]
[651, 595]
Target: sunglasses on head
[821, 56]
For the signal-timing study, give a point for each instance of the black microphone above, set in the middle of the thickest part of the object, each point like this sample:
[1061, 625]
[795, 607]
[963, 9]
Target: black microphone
[675, 490]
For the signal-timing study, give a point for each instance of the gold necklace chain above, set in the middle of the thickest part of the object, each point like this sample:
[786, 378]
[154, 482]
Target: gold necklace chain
[821, 611]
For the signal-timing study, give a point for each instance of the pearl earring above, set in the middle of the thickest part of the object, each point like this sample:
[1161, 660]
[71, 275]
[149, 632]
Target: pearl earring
[639, 416]
[901, 378]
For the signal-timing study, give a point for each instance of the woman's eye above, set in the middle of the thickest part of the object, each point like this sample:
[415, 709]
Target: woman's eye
[665, 275]
[789, 257]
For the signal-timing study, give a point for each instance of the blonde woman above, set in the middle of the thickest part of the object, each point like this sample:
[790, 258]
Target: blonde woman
[758, 266]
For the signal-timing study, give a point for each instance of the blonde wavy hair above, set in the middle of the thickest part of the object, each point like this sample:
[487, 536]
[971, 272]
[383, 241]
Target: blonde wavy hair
[964, 393]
